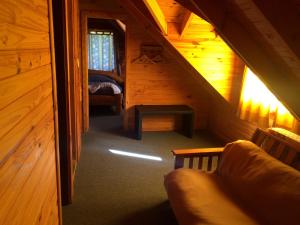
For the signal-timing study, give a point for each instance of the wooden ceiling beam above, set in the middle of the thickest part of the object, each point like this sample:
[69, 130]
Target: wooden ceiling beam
[284, 18]
[186, 22]
[278, 78]
[157, 15]
[143, 20]
[190, 7]
[268, 35]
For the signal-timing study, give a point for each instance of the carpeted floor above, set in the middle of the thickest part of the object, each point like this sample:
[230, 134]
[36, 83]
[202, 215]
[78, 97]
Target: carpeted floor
[120, 190]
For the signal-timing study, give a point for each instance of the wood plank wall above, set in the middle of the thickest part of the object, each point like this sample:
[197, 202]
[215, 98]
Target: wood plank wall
[75, 75]
[28, 169]
[165, 83]
[211, 56]
[161, 83]
[217, 63]
[143, 81]
[225, 124]
[223, 69]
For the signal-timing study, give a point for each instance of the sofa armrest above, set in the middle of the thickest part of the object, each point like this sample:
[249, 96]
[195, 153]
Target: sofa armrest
[200, 153]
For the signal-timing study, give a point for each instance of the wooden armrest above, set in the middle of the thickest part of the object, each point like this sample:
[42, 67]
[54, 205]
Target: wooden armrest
[181, 154]
[198, 151]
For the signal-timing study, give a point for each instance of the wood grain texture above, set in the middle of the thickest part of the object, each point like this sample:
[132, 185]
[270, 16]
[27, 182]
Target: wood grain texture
[16, 37]
[211, 56]
[157, 14]
[224, 123]
[241, 38]
[159, 84]
[24, 14]
[186, 66]
[28, 170]
[16, 86]
[55, 213]
[16, 62]
[14, 113]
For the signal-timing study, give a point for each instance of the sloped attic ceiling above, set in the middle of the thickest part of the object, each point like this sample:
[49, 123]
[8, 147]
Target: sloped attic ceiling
[266, 35]
[206, 41]
[246, 27]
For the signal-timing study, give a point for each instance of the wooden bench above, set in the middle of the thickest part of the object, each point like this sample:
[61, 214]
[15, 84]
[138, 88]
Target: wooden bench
[186, 112]
[278, 147]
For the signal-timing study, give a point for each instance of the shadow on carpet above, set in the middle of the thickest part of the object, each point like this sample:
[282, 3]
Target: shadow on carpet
[158, 215]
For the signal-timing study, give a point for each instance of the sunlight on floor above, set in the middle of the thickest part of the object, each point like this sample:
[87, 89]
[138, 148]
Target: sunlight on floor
[136, 155]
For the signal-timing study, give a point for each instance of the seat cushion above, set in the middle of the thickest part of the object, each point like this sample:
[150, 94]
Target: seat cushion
[269, 188]
[200, 198]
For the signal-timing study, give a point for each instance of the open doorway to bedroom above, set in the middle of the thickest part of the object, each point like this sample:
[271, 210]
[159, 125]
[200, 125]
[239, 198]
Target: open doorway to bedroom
[104, 68]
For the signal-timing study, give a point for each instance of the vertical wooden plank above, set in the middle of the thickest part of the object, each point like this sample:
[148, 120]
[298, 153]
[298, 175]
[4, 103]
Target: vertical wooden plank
[191, 162]
[179, 162]
[200, 163]
[85, 93]
[209, 163]
[55, 111]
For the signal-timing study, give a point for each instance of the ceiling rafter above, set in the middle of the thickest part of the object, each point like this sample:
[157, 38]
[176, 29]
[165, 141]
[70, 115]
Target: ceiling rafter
[157, 15]
[285, 19]
[186, 22]
[269, 35]
[278, 78]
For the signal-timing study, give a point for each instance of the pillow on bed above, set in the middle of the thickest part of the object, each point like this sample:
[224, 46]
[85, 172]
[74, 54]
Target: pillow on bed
[101, 78]
[104, 88]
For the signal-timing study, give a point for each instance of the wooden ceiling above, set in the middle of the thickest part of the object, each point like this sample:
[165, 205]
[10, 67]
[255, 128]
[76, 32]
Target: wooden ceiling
[172, 10]
[266, 35]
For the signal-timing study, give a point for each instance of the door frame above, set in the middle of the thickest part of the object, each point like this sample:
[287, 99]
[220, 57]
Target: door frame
[69, 139]
[84, 16]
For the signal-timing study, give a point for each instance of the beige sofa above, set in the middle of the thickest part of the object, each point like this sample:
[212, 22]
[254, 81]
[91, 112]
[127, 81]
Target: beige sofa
[248, 187]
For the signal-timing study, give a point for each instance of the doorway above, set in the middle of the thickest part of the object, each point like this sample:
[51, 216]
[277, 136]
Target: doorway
[103, 63]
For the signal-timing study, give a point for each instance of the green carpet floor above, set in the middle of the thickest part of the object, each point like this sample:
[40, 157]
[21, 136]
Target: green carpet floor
[120, 190]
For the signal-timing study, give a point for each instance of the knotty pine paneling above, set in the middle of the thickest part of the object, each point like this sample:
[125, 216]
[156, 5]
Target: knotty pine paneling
[170, 84]
[165, 83]
[14, 113]
[217, 63]
[32, 16]
[161, 83]
[211, 56]
[13, 62]
[28, 170]
[224, 123]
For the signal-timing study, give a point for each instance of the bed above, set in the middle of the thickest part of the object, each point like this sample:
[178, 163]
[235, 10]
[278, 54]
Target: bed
[105, 89]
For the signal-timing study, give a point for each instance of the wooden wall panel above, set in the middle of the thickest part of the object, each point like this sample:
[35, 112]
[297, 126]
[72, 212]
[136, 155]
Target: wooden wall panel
[28, 169]
[161, 83]
[225, 124]
[170, 84]
[212, 58]
[14, 62]
[165, 83]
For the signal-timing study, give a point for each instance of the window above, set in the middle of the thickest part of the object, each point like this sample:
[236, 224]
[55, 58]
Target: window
[101, 51]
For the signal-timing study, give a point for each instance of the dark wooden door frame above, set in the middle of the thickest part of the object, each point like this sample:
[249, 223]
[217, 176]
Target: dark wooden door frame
[62, 74]
[84, 15]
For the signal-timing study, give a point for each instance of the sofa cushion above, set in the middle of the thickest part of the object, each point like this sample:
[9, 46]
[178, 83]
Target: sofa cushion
[268, 187]
[200, 198]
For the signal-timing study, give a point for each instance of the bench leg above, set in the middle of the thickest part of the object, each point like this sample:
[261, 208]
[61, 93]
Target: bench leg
[138, 125]
[188, 125]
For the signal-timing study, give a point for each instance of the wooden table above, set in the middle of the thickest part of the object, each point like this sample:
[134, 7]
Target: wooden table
[184, 110]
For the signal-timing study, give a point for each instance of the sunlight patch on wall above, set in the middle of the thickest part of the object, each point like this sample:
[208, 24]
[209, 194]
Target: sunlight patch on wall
[136, 155]
[258, 104]
[209, 55]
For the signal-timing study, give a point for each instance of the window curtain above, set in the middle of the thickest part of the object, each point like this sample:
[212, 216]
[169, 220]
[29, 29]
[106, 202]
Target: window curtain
[101, 52]
[260, 106]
